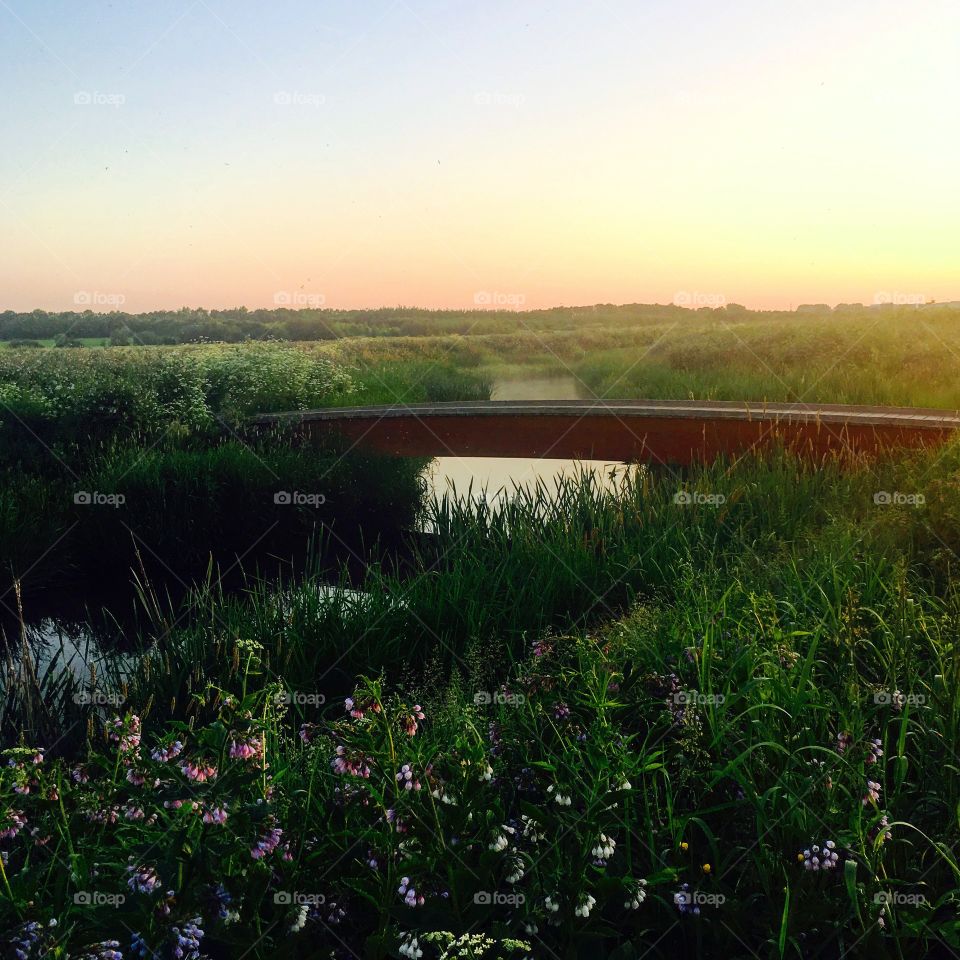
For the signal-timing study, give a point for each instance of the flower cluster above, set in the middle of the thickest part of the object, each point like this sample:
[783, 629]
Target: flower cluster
[816, 858]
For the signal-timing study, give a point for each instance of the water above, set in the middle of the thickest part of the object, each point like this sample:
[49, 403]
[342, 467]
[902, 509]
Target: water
[80, 637]
[497, 478]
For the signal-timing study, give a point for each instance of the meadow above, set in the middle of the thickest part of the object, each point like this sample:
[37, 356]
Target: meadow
[591, 721]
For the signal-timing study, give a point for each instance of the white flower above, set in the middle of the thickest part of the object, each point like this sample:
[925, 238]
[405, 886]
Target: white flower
[604, 848]
[584, 906]
[550, 905]
[410, 946]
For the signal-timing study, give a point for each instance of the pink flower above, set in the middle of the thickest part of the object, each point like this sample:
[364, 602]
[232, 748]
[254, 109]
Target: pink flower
[873, 793]
[251, 749]
[16, 821]
[267, 843]
[125, 732]
[199, 771]
[216, 815]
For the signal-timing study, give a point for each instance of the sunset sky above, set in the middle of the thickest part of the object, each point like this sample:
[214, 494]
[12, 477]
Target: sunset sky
[419, 152]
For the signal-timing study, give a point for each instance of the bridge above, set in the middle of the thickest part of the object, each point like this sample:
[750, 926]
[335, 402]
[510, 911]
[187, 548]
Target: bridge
[655, 431]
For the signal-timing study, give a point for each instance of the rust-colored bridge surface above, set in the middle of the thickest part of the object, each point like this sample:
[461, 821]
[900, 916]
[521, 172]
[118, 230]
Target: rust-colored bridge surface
[664, 431]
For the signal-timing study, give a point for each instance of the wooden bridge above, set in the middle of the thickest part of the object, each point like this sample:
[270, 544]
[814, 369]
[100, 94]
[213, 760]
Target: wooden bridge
[658, 431]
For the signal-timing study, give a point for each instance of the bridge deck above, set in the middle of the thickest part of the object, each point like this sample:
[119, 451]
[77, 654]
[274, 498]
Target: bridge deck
[670, 431]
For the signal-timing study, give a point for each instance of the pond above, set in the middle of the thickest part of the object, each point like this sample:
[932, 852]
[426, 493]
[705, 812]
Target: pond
[77, 628]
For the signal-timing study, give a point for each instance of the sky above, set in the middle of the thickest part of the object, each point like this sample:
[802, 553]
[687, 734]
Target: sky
[512, 153]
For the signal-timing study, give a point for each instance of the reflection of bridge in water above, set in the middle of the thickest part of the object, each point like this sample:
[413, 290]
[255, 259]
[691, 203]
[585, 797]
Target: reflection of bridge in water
[667, 431]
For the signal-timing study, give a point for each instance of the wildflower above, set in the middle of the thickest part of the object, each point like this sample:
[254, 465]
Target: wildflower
[409, 893]
[216, 815]
[267, 843]
[249, 749]
[517, 871]
[104, 950]
[706, 868]
[816, 859]
[551, 904]
[410, 946]
[487, 773]
[584, 906]
[15, 822]
[685, 901]
[684, 845]
[307, 733]
[410, 722]
[406, 778]
[301, 920]
[125, 733]
[636, 896]
[187, 940]
[164, 754]
[604, 848]
[142, 879]
[199, 771]
[874, 751]
[873, 793]
[561, 711]
[560, 799]
[132, 812]
[844, 740]
[220, 900]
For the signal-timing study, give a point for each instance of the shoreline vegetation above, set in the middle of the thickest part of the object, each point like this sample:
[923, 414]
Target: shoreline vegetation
[592, 721]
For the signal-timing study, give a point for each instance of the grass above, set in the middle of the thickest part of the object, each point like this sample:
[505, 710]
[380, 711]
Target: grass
[748, 668]
[583, 722]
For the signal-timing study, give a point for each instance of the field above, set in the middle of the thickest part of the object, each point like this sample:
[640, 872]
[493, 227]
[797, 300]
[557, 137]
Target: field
[582, 722]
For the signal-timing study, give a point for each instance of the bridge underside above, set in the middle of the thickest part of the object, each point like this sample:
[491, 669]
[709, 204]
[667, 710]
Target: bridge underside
[674, 432]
